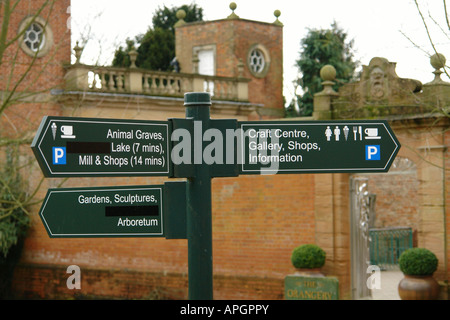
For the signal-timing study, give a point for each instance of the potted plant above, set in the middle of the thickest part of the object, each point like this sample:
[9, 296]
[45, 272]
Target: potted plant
[418, 266]
[308, 259]
[308, 283]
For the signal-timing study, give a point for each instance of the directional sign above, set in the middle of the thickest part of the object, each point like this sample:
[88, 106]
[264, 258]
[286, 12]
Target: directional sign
[132, 211]
[316, 147]
[68, 147]
[103, 212]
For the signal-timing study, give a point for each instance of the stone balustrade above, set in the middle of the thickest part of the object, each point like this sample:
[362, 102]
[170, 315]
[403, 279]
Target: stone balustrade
[80, 77]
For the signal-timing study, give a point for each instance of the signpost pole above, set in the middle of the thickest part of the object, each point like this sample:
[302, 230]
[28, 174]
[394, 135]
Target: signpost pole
[199, 220]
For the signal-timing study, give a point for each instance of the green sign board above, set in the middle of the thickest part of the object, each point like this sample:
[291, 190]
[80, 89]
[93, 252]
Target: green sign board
[316, 147]
[298, 287]
[130, 211]
[68, 147]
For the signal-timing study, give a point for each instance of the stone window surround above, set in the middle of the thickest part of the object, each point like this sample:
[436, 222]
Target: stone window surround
[48, 36]
[208, 47]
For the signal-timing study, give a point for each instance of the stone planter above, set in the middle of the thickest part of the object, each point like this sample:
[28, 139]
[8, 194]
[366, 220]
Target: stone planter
[418, 288]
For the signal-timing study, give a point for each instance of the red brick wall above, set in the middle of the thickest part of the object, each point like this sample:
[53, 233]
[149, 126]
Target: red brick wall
[257, 221]
[46, 73]
[49, 282]
[397, 199]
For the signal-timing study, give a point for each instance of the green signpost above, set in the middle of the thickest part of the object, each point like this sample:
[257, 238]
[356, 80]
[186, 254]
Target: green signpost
[292, 147]
[197, 148]
[131, 211]
[69, 147]
[104, 212]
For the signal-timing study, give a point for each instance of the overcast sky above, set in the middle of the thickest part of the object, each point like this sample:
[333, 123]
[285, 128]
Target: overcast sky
[379, 28]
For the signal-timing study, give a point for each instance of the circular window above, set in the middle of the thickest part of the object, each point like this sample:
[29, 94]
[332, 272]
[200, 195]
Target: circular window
[36, 39]
[258, 61]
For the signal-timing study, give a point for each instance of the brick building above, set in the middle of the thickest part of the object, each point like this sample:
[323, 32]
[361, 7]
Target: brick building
[257, 220]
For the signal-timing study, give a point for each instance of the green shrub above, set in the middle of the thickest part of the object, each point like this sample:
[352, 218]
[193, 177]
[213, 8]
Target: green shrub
[418, 262]
[308, 256]
[14, 219]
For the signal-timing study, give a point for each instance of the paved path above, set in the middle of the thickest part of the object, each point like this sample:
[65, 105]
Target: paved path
[389, 286]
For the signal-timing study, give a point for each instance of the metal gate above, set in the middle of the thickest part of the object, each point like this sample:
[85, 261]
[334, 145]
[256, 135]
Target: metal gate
[387, 244]
[362, 206]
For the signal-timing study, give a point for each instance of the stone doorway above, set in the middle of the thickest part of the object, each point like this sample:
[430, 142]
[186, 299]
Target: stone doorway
[397, 206]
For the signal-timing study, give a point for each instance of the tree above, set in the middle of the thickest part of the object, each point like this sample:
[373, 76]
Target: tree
[19, 86]
[319, 48]
[156, 48]
[27, 53]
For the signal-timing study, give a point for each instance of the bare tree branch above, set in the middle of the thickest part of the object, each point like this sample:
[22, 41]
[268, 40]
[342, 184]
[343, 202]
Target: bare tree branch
[428, 32]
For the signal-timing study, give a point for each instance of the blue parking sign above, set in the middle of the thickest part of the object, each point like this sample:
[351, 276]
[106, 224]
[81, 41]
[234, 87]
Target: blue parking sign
[59, 155]
[373, 152]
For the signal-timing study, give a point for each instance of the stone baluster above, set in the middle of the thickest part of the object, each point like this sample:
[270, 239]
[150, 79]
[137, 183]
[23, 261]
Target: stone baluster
[176, 85]
[93, 85]
[154, 87]
[120, 81]
[162, 84]
[222, 89]
[111, 81]
[145, 84]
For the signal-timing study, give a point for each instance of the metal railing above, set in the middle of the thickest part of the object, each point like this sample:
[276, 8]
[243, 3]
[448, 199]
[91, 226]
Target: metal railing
[387, 244]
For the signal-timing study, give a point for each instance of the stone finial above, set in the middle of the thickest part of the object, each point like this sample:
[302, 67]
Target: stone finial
[233, 15]
[437, 61]
[181, 14]
[328, 75]
[78, 50]
[277, 14]
[133, 55]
